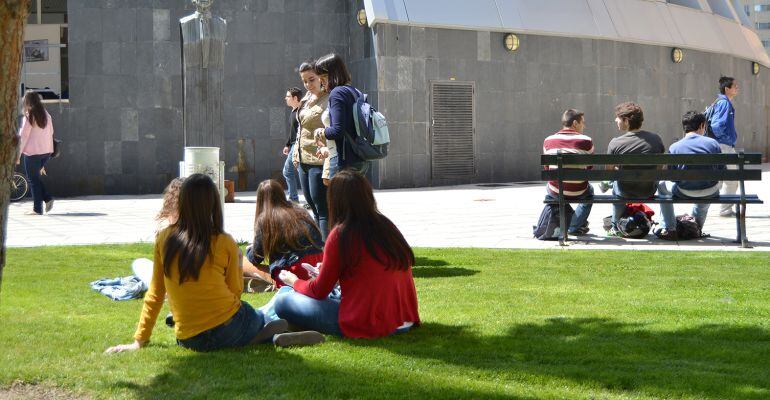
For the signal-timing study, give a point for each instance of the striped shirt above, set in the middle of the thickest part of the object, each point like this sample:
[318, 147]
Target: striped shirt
[571, 142]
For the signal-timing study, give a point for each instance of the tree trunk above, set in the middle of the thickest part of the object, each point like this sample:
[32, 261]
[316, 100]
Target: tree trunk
[13, 16]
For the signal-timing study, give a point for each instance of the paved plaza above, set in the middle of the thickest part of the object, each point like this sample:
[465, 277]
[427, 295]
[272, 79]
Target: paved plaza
[493, 216]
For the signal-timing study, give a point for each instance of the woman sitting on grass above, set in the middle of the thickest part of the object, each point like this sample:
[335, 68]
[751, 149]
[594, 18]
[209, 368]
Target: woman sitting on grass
[372, 261]
[198, 264]
[284, 233]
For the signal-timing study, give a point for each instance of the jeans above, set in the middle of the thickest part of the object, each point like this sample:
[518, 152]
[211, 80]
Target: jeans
[239, 331]
[309, 313]
[728, 187]
[699, 211]
[315, 194]
[291, 176]
[582, 211]
[32, 166]
[618, 208]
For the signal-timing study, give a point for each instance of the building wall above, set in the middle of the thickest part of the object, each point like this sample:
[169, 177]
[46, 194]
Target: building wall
[521, 95]
[123, 126]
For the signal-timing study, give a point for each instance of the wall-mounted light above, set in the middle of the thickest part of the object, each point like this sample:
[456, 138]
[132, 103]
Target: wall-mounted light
[755, 68]
[511, 42]
[361, 17]
[677, 55]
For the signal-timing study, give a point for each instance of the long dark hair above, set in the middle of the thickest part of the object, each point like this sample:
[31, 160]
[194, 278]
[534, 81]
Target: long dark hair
[353, 212]
[33, 105]
[333, 66]
[282, 224]
[200, 218]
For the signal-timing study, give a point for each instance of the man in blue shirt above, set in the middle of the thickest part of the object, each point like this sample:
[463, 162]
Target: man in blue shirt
[722, 121]
[694, 142]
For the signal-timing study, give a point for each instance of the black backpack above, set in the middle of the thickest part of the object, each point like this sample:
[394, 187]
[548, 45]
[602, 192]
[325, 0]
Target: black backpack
[709, 113]
[371, 139]
[635, 226]
[547, 227]
[687, 228]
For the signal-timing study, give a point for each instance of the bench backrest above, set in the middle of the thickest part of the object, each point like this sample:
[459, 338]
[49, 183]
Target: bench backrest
[600, 174]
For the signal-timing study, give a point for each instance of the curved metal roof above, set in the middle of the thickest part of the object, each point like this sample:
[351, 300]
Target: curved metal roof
[718, 26]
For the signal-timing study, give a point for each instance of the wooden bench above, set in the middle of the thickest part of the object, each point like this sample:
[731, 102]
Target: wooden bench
[598, 173]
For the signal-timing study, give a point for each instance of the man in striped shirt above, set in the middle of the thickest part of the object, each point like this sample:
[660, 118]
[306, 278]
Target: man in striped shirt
[570, 139]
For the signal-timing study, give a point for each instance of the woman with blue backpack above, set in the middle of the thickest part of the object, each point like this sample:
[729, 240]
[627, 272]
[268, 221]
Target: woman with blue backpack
[342, 100]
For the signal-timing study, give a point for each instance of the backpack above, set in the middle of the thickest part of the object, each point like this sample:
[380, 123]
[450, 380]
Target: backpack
[709, 113]
[547, 227]
[687, 228]
[635, 223]
[371, 138]
[634, 226]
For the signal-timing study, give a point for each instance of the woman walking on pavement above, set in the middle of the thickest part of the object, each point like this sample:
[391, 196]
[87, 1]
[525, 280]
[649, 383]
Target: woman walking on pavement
[36, 147]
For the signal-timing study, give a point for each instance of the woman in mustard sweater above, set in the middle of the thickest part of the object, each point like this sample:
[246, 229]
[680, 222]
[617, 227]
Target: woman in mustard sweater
[198, 265]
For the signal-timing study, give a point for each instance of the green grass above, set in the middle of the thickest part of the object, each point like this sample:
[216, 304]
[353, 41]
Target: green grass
[496, 324]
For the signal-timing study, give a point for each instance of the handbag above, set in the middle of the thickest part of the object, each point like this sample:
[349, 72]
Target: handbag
[56, 148]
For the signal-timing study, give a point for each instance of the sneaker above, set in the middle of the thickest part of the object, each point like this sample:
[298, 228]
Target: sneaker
[170, 320]
[727, 214]
[271, 329]
[605, 186]
[304, 338]
[579, 231]
[614, 232]
[666, 234]
[48, 205]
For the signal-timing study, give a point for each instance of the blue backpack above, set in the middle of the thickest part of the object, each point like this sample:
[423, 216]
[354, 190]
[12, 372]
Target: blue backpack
[371, 138]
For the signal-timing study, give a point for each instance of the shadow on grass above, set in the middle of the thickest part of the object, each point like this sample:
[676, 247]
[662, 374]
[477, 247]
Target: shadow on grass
[707, 362]
[425, 267]
[262, 372]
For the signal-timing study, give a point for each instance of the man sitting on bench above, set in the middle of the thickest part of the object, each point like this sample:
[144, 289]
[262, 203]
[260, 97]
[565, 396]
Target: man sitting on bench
[694, 142]
[629, 118]
[570, 139]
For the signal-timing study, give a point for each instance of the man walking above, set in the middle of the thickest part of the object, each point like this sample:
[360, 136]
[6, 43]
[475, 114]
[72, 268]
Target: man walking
[722, 120]
[293, 97]
[694, 142]
[570, 139]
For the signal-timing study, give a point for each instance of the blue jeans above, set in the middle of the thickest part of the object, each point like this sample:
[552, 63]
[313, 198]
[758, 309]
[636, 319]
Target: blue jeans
[315, 194]
[309, 313]
[291, 176]
[582, 211]
[618, 208]
[239, 331]
[699, 211]
[32, 166]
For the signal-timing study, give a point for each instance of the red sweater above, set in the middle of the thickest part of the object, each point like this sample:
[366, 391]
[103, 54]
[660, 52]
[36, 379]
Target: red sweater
[375, 301]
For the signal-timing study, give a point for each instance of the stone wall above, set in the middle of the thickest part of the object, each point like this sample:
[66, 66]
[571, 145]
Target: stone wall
[123, 126]
[521, 95]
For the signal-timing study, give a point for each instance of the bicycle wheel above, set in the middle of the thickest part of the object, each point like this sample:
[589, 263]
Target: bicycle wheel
[19, 186]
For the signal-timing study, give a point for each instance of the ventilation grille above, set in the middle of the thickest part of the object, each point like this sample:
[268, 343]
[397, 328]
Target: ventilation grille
[452, 140]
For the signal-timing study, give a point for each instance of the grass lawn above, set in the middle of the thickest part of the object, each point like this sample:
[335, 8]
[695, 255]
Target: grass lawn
[496, 324]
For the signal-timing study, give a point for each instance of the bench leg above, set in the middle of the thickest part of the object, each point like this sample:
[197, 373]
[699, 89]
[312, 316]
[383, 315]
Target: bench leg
[562, 224]
[742, 232]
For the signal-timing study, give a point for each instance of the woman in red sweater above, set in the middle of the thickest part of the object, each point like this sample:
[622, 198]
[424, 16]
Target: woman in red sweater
[372, 262]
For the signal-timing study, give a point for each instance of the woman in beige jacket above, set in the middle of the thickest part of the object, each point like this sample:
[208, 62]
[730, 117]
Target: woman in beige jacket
[306, 157]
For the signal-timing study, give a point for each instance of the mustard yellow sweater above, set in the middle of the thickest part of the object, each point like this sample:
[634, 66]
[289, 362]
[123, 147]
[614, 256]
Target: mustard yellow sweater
[197, 305]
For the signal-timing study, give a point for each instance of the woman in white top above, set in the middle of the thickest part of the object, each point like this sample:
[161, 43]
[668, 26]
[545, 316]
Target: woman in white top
[36, 144]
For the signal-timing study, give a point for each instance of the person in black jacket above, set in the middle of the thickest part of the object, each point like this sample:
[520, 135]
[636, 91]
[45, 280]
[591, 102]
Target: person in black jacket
[293, 97]
[342, 98]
